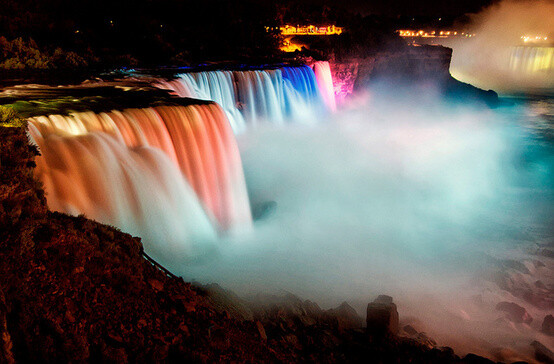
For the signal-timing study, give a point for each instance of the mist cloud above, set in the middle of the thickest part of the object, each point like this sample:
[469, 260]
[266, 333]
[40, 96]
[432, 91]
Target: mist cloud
[496, 57]
[390, 197]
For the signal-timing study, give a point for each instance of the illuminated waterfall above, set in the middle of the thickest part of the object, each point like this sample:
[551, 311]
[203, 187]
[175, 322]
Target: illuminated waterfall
[532, 60]
[164, 173]
[172, 174]
[251, 97]
[324, 79]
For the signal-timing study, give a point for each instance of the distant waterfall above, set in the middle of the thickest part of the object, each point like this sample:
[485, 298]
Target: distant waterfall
[158, 172]
[251, 97]
[532, 60]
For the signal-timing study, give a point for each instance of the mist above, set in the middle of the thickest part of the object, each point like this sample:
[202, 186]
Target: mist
[497, 57]
[417, 200]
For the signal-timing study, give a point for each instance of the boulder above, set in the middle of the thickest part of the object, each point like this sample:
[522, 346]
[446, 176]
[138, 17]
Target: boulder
[408, 329]
[346, 316]
[542, 353]
[515, 312]
[475, 359]
[548, 325]
[425, 340]
[382, 316]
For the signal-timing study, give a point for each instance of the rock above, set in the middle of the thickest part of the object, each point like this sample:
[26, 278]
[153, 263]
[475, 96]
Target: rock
[548, 325]
[540, 284]
[382, 316]
[426, 340]
[312, 309]
[157, 285]
[476, 359]
[408, 329]
[542, 353]
[227, 301]
[383, 299]
[347, 317]
[515, 312]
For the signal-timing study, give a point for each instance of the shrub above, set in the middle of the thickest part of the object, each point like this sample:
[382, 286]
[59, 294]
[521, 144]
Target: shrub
[9, 118]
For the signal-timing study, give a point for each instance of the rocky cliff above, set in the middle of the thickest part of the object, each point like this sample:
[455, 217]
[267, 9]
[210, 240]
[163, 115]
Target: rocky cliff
[429, 65]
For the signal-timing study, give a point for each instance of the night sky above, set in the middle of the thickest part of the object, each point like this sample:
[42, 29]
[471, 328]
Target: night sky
[121, 32]
[406, 7]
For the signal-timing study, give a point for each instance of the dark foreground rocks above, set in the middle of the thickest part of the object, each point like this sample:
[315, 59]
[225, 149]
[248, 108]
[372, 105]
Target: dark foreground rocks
[73, 290]
[76, 290]
[548, 325]
[382, 316]
[542, 353]
[514, 312]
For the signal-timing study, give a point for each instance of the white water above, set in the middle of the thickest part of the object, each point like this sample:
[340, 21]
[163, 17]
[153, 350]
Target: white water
[259, 96]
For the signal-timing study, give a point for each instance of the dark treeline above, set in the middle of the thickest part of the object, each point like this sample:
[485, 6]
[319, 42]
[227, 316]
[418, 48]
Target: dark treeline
[151, 31]
[106, 33]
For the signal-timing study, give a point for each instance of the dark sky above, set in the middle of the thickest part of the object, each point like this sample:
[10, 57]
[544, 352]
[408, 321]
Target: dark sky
[408, 7]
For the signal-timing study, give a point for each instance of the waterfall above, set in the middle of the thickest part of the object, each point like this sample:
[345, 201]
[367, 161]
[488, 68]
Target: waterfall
[168, 173]
[172, 174]
[255, 96]
[532, 60]
[324, 79]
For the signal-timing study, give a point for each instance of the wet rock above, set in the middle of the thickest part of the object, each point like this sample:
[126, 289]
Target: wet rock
[548, 325]
[227, 301]
[347, 317]
[514, 312]
[426, 340]
[289, 310]
[312, 309]
[382, 316]
[538, 299]
[475, 359]
[542, 353]
[408, 329]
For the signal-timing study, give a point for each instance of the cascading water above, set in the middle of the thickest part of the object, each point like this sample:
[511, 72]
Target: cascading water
[532, 60]
[130, 168]
[171, 174]
[324, 78]
[138, 190]
[251, 97]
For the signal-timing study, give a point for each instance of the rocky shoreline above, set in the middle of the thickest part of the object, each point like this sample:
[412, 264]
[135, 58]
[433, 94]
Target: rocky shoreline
[76, 290]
